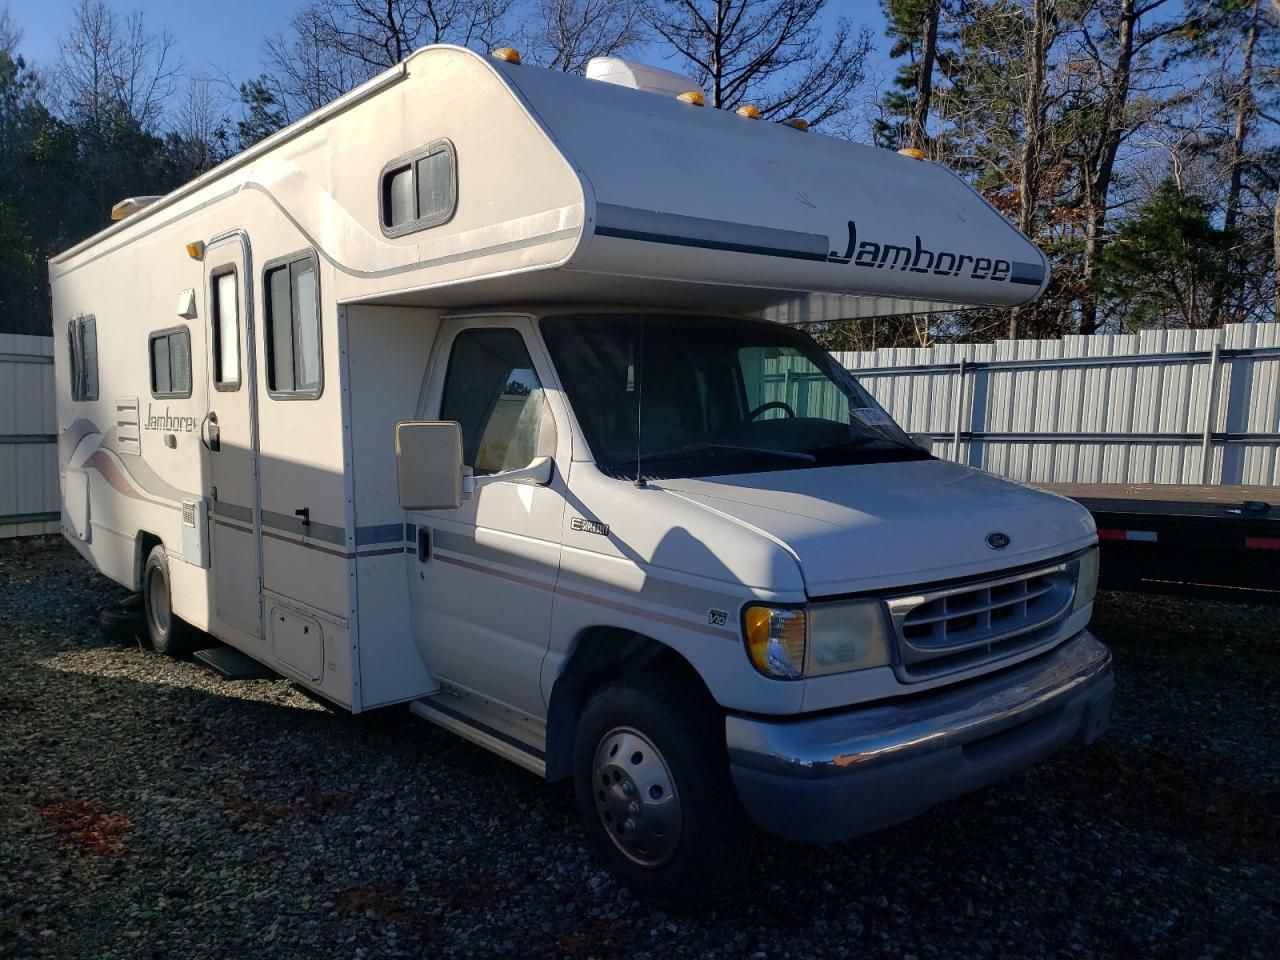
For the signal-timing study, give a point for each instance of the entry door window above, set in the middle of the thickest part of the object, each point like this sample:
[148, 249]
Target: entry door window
[226, 332]
[492, 390]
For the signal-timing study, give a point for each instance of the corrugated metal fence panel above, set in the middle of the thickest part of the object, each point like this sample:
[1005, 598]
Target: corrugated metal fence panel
[28, 437]
[1131, 408]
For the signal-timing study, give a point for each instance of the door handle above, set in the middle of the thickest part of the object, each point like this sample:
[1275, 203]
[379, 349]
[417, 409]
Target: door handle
[210, 426]
[305, 514]
[424, 544]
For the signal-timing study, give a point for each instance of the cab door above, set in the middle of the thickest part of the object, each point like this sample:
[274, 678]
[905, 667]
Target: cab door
[482, 580]
[230, 437]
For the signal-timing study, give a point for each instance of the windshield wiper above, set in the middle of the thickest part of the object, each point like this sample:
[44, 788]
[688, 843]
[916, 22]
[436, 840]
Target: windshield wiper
[861, 441]
[732, 447]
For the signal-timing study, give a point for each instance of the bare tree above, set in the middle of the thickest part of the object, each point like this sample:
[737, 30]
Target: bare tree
[338, 44]
[10, 34]
[201, 126]
[770, 52]
[109, 65]
[112, 80]
[568, 33]
[306, 69]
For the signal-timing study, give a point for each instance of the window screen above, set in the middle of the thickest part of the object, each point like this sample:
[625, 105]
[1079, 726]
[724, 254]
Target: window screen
[82, 342]
[294, 355]
[419, 191]
[492, 390]
[171, 363]
[226, 332]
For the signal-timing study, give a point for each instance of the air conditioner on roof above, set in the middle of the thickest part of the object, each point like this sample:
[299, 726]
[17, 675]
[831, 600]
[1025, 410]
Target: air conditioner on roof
[639, 76]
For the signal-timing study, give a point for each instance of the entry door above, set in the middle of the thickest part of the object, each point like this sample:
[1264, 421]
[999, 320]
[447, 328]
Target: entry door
[482, 580]
[230, 435]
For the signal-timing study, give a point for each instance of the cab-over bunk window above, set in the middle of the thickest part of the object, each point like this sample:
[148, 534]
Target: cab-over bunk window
[295, 368]
[170, 353]
[82, 342]
[419, 190]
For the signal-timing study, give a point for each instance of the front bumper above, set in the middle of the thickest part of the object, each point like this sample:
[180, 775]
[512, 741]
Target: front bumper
[837, 775]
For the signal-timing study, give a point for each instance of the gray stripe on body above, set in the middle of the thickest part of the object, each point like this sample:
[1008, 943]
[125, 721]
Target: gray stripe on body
[1031, 274]
[283, 523]
[467, 547]
[611, 216]
[312, 531]
[663, 593]
[231, 511]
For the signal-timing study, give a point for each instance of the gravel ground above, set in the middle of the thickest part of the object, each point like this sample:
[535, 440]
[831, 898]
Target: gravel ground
[150, 809]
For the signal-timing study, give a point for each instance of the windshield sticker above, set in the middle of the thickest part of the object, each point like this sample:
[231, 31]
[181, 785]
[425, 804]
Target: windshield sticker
[871, 417]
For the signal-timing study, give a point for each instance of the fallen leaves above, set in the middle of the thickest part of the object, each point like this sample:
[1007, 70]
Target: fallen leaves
[83, 826]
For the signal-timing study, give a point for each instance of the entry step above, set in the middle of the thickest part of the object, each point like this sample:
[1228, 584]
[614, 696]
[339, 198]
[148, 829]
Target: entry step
[232, 664]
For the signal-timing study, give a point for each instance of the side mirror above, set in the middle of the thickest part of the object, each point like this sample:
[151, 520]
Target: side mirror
[429, 464]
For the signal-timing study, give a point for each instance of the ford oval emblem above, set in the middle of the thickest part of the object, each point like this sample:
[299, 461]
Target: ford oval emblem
[997, 540]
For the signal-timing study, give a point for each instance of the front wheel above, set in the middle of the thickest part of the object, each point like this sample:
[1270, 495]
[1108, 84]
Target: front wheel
[652, 784]
[168, 634]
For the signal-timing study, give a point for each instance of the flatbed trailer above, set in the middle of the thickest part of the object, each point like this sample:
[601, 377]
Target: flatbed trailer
[1214, 541]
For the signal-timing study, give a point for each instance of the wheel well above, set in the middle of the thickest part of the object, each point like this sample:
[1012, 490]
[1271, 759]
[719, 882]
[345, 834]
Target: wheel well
[145, 542]
[600, 655]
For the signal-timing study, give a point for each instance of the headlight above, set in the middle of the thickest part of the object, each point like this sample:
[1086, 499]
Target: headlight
[787, 643]
[846, 636]
[1086, 570]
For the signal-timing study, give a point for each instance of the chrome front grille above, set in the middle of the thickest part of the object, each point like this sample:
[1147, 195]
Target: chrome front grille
[954, 628]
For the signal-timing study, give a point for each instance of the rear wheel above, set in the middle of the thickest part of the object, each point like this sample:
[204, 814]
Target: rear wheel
[168, 633]
[652, 783]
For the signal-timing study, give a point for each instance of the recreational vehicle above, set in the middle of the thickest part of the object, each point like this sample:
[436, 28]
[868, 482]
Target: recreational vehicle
[485, 390]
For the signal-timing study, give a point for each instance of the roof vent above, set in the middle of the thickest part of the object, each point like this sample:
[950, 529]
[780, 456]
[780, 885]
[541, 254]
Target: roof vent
[638, 76]
[130, 205]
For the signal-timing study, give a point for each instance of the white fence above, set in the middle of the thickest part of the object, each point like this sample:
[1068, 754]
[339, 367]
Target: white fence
[28, 437]
[1175, 406]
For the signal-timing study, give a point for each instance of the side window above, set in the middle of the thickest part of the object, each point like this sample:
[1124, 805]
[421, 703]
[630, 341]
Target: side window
[82, 342]
[419, 190]
[295, 367]
[226, 331]
[492, 390]
[170, 352]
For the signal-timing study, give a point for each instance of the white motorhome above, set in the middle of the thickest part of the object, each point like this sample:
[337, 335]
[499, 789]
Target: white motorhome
[457, 393]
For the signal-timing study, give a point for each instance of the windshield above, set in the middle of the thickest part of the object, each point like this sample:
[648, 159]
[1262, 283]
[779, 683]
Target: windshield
[711, 395]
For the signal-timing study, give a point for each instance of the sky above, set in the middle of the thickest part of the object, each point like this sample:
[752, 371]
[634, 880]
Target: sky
[213, 39]
[223, 38]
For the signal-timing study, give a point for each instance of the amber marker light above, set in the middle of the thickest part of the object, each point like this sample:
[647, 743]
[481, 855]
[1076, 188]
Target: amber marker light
[775, 639]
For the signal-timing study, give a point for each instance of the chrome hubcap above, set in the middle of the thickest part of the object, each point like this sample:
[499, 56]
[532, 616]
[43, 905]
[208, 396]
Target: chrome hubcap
[159, 604]
[636, 797]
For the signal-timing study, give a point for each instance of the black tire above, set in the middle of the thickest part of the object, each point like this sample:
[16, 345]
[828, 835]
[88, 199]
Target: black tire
[117, 624]
[167, 633]
[672, 713]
